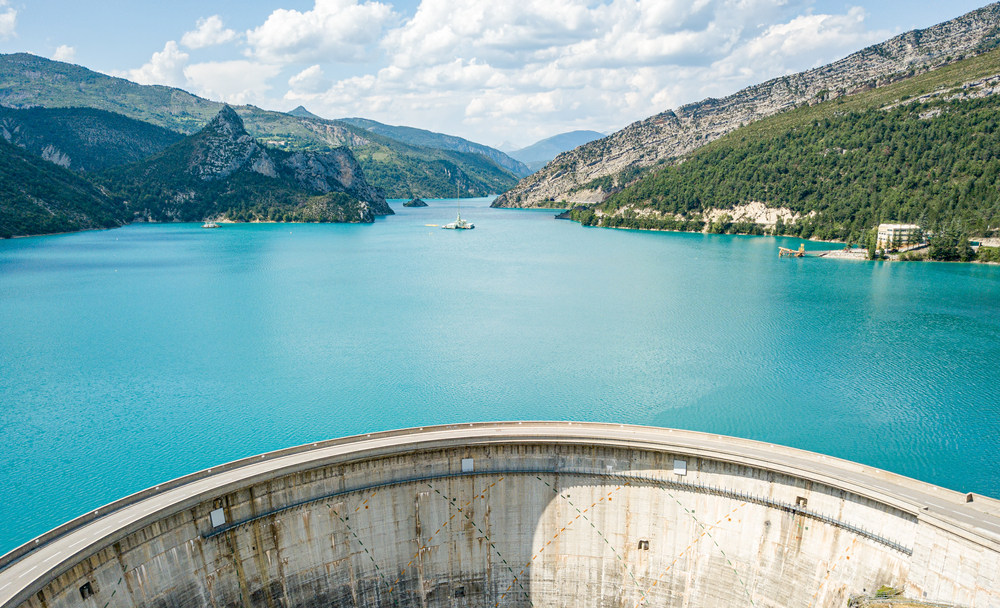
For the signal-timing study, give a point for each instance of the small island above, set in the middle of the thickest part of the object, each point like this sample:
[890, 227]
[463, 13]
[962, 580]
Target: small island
[416, 202]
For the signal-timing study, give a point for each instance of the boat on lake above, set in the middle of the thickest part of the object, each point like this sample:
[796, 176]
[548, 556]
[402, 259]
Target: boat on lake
[459, 224]
[209, 225]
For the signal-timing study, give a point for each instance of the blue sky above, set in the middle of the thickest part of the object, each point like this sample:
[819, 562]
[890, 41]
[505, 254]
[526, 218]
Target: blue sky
[488, 70]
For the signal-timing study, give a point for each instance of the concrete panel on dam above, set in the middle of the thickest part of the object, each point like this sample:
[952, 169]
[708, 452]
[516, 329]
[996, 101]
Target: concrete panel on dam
[538, 518]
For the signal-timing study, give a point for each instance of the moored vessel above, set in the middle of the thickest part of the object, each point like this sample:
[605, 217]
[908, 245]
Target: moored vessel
[459, 224]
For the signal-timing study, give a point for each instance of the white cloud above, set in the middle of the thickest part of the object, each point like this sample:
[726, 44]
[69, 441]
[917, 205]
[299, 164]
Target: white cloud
[64, 53]
[309, 80]
[8, 22]
[334, 31]
[544, 66]
[808, 33]
[238, 82]
[164, 67]
[487, 68]
[208, 33]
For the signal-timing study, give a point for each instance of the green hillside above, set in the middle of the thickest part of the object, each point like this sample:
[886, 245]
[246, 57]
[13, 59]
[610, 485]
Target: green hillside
[38, 197]
[401, 170]
[845, 164]
[84, 139]
[222, 173]
[441, 141]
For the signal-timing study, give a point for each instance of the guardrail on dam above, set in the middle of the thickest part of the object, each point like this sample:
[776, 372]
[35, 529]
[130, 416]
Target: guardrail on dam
[519, 514]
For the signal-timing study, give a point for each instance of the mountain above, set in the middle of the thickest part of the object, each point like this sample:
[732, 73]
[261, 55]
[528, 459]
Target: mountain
[301, 112]
[538, 154]
[222, 172]
[39, 197]
[507, 147]
[924, 150]
[83, 139]
[401, 170]
[28, 81]
[430, 139]
[571, 176]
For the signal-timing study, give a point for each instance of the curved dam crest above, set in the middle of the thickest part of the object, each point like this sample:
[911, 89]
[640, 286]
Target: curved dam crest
[520, 514]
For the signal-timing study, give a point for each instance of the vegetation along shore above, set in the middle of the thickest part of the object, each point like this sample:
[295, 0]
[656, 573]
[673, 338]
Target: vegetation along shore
[923, 151]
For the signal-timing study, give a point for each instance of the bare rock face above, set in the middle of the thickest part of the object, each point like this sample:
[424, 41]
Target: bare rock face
[336, 171]
[224, 146]
[264, 165]
[334, 134]
[675, 133]
[54, 155]
[223, 170]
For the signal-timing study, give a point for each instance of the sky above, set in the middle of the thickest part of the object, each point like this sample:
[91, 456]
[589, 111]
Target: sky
[488, 70]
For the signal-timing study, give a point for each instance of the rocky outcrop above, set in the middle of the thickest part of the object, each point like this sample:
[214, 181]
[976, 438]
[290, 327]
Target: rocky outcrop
[223, 170]
[335, 171]
[674, 133]
[415, 203]
[54, 155]
[224, 146]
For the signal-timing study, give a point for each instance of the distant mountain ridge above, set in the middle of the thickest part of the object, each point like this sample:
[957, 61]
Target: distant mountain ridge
[430, 139]
[83, 139]
[538, 154]
[301, 112]
[222, 172]
[402, 170]
[550, 147]
[570, 177]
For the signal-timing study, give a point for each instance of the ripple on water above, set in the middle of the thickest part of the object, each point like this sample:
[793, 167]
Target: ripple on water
[206, 346]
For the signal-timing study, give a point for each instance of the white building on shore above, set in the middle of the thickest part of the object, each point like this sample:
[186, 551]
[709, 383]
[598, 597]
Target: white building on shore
[897, 235]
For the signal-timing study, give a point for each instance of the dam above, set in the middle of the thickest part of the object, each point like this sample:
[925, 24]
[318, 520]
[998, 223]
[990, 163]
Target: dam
[520, 514]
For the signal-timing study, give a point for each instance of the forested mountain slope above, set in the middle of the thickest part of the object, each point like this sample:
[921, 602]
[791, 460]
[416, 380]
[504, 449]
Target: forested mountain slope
[430, 139]
[38, 197]
[571, 176]
[401, 170]
[83, 139]
[221, 172]
[925, 151]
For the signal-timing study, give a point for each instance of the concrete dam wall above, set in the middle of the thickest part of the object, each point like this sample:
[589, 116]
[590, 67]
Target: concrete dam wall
[520, 514]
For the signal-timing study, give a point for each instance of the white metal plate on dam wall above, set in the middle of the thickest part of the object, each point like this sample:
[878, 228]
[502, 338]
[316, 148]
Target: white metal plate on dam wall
[584, 522]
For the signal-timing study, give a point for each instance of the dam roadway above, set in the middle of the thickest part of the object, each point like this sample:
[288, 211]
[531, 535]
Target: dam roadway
[920, 514]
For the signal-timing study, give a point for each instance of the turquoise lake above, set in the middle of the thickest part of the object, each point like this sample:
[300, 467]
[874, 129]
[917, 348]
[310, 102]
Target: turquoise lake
[132, 356]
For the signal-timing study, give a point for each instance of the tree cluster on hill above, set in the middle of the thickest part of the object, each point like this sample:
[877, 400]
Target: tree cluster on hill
[83, 139]
[38, 197]
[935, 164]
[440, 175]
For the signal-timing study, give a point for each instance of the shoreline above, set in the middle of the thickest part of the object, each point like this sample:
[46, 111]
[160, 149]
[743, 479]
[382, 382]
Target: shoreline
[31, 236]
[857, 254]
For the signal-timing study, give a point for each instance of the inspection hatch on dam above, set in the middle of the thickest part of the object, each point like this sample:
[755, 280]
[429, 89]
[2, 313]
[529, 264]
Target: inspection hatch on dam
[522, 514]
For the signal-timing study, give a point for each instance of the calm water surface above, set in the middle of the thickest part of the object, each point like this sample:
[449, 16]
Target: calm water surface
[132, 356]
